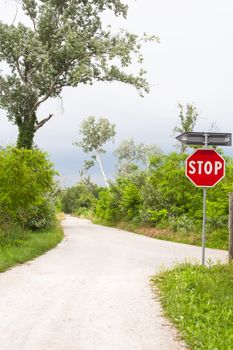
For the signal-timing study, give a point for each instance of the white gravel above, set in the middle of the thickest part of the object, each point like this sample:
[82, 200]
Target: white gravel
[92, 292]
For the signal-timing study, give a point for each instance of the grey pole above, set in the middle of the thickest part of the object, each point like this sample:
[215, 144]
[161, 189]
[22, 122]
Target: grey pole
[204, 214]
[204, 226]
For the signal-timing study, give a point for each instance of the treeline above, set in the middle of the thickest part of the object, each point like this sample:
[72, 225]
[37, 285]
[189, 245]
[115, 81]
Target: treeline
[158, 196]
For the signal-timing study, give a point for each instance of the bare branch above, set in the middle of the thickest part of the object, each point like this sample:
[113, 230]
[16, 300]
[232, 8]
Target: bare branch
[42, 122]
[16, 14]
[33, 23]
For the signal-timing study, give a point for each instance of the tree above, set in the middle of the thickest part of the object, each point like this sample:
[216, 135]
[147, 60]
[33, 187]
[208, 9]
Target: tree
[95, 133]
[130, 154]
[66, 45]
[188, 118]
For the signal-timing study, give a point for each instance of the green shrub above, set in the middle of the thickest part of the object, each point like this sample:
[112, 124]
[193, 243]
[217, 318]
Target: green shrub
[80, 197]
[182, 223]
[156, 216]
[42, 215]
[26, 183]
[107, 207]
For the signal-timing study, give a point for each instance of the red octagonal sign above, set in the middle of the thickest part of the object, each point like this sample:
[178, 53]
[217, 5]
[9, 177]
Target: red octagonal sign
[205, 167]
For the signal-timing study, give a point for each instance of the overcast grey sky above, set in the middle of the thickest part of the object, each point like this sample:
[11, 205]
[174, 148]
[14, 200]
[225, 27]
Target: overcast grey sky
[193, 63]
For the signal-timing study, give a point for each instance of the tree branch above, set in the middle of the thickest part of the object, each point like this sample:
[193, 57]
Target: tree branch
[51, 89]
[42, 122]
[19, 70]
[45, 97]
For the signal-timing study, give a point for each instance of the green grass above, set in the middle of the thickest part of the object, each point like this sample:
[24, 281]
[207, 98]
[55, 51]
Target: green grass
[217, 239]
[199, 301]
[18, 246]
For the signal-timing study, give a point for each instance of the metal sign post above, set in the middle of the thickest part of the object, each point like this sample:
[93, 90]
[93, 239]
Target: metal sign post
[205, 167]
[204, 213]
[204, 226]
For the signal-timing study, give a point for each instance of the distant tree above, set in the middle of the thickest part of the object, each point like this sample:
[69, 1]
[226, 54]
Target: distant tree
[65, 45]
[80, 197]
[188, 117]
[130, 154]
[95, 133]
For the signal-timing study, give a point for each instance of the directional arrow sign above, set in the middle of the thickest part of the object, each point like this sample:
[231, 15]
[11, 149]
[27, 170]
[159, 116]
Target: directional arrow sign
[198, 138]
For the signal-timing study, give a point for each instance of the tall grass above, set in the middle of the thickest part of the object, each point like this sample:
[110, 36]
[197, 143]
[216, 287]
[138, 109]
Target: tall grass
[199, 301]
[18, 246]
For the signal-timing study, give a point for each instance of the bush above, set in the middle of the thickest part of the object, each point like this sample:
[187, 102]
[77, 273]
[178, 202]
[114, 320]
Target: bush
[26, 183]
[42, 215]
[81, 197]
[183, 223]
[107, 207]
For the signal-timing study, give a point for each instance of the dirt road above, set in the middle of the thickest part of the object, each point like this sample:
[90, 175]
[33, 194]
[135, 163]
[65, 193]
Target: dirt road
[92, 292]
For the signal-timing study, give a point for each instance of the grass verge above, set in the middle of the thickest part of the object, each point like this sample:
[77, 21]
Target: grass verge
[217, 239]
[199, 301]
[26, 245]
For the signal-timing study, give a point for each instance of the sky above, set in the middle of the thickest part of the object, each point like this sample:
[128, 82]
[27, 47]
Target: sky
[193, 63]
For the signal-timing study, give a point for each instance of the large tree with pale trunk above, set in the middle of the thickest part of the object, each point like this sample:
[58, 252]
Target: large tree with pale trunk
[66, 44]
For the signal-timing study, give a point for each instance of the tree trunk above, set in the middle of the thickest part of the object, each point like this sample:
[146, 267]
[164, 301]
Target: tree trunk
[26, 132]
[101, 169]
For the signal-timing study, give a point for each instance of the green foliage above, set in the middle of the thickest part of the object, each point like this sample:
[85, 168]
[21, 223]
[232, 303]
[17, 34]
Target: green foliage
[165, 175]
[26, 184]
[78, 198]
[131, 155]
[130, 201]
[65, 45]
[188, 118]
[120, 202]
[162, 196]
[156, 216]
[95, 133]
[199, 300]
[182, 223]
[107, 207]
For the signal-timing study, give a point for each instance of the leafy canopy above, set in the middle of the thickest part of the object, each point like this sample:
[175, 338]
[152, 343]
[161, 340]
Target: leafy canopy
[130, 155]
[95, 133]
[65, 45]
[188, 116]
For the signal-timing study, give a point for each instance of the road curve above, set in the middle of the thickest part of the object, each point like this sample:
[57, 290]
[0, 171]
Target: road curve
[92, 292]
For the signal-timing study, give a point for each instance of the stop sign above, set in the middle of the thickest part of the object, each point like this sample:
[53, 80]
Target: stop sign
[205, 167]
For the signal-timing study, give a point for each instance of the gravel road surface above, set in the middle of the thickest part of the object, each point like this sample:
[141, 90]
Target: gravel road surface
[92, 292]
